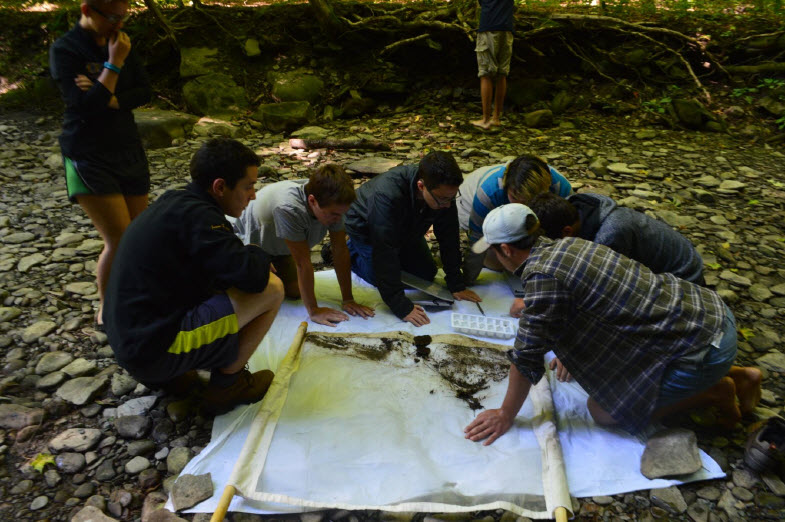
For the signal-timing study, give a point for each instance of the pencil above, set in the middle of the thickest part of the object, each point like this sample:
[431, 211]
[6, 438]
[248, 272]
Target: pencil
[480, 307]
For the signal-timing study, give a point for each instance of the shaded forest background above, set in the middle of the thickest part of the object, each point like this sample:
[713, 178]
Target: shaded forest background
[621, 54]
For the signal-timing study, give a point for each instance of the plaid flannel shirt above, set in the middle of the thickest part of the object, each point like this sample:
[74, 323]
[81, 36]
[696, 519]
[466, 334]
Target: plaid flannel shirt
[613, 323]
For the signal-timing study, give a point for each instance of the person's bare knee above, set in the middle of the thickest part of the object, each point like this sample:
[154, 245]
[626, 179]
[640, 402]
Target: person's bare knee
[599, 414]
[248, 306]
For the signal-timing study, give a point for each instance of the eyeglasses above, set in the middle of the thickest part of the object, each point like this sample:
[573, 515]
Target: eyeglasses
[111, 18]
[443, 202]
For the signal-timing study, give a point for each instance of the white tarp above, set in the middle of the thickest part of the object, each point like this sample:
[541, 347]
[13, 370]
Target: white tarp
[598, 461]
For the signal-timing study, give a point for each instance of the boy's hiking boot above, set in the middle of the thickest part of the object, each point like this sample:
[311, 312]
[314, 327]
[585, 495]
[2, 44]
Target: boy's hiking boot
[246, 389]
[185, 384]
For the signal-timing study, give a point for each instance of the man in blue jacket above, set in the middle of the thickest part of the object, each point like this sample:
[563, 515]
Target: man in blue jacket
[186, 294]
[387, 223]
[598, 218]
[494, 52]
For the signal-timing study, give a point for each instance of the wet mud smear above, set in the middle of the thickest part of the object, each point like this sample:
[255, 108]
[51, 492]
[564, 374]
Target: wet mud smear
[465, 370]
[372, 352]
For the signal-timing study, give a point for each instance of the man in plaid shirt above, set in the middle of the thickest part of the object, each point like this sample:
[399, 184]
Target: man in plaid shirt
[642, 345]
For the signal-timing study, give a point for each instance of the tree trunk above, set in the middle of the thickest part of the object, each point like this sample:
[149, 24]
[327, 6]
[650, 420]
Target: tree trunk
[328, 21]
[153, 7]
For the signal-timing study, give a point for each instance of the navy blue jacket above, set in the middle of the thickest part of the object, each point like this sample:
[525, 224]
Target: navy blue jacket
[387, 215]
[176, 254]
[89, 125]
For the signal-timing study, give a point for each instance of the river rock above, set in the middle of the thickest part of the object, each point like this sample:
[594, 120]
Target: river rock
[92, 514]
[372, 165]
[279, 117]
[81, 390]
[189, 490]
[671, 452]
[215, 95]
[16, 416]
[37, 330]
[52, 361]
[75, 439]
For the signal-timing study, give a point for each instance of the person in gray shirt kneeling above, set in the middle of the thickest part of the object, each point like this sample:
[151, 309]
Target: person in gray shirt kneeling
[288, 218]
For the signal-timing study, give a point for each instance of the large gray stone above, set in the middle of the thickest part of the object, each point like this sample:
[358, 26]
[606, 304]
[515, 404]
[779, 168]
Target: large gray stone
[81, 390]
[28, 262]
[284, 116]
[76, 439]
[133, 426]
[137, 406]
[92, 514]
[373, 165]
[295, 86]
[52, 361]
[16, 416]
[669, 499]
[215, 95]
[80, 367]
[539, 119]
[37, 330]
[11, 313]
[774, 360]
[207, 126]
[690, 113]
[671, 452]
[198, 61]
[177, 459]
[189, 490]
[158, 128]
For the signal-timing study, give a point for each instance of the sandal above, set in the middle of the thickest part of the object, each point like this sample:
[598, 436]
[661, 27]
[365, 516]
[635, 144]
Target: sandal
[766, 446]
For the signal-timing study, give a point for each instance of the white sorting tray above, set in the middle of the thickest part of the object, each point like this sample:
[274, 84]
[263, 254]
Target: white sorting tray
[482, 325]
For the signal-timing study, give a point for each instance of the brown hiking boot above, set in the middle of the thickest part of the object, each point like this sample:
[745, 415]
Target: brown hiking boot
[185, 384]
[248, 388]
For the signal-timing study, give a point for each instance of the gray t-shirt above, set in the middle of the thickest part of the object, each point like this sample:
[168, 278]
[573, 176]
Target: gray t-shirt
[279, 213]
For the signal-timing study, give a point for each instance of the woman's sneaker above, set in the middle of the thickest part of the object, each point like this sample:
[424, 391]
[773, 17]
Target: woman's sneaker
[248, 388]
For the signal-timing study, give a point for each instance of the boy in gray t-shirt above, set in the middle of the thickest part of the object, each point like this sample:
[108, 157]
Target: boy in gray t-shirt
[288, 218]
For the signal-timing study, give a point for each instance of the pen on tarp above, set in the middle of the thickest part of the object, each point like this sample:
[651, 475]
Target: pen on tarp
[480, 307]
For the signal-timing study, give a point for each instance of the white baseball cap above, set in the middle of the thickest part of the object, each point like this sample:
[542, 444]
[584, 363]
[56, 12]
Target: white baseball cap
[505, 224]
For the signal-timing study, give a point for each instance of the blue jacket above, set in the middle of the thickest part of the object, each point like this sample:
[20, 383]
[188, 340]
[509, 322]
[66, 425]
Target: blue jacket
[637, 236]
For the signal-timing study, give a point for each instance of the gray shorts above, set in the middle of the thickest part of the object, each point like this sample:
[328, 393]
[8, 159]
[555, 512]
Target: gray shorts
[494, 52]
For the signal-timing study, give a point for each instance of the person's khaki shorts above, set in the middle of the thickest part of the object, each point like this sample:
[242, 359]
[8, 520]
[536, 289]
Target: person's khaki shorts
[494, 52]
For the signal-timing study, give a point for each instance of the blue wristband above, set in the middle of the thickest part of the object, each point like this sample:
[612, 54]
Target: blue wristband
[112, 67]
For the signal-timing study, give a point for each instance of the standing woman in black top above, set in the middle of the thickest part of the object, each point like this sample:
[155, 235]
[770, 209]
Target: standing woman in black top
[102, 80]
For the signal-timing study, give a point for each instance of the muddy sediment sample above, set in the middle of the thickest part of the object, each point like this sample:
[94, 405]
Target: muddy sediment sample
[464, 369]
[372, 349]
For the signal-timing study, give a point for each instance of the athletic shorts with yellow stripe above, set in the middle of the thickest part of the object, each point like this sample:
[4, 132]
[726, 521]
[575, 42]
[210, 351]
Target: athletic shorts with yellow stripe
[207, 340]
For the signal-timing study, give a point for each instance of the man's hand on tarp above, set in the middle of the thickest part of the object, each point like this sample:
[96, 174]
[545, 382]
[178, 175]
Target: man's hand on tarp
[467, 295]
[489, 425]
[328, 316]
[417, 316]
[561, 372]
[353, 308]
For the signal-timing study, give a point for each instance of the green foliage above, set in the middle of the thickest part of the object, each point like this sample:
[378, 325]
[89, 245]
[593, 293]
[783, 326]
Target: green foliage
[780, 123]
[657, 106]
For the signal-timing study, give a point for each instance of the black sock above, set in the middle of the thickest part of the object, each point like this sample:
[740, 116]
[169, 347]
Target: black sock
[222, 380]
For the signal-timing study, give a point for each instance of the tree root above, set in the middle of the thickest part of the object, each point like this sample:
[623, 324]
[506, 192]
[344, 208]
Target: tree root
[407, 41]
[593, 65]
[771, 67]
[162, 21]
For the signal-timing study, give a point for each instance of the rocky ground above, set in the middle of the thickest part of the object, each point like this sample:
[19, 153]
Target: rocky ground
[118, 447]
